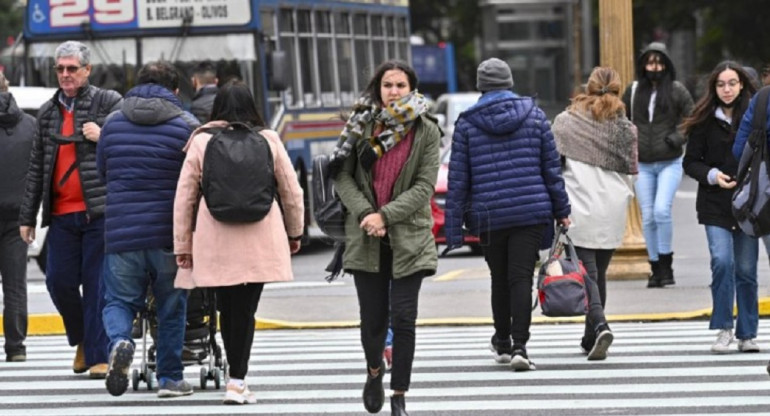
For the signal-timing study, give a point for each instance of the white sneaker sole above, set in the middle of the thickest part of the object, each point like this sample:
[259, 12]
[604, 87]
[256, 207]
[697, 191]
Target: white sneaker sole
[499, 358]
[519, 363]
[602, 344]
[236, 398]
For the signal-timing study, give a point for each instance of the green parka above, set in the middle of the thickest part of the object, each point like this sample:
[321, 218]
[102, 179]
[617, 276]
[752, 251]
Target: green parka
[407, 216]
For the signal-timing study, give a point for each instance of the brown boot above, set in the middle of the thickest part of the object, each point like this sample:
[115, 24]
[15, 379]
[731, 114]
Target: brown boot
[98, 371]
[79, 364]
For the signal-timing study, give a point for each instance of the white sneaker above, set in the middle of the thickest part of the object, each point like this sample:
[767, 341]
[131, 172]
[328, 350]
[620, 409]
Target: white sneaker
[722, 344]
[747, 345]
[239, 395]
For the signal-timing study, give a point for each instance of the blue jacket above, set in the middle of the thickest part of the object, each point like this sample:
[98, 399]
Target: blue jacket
[139, 157]
[504, 169]
[742, 136]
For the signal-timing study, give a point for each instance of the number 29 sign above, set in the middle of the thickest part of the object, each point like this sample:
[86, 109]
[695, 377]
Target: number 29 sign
[51, 17]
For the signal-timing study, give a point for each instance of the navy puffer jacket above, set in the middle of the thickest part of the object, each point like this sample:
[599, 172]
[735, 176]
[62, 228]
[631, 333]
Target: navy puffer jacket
[139, 156]
[504, 169]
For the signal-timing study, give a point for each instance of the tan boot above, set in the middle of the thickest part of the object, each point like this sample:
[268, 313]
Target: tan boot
[79, 364]
[98, 371]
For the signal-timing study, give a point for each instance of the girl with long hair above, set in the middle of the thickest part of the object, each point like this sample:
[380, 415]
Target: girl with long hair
[711, 132]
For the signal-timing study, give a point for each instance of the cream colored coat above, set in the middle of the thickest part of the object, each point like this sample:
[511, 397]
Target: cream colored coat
[231, 254]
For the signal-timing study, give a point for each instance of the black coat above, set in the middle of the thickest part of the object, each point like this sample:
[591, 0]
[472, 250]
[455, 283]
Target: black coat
[17, 130]
[203, 102]
[709, 146]
[44, 153]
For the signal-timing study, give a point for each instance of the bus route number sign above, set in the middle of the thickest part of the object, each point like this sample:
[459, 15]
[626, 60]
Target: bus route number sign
[63, 16]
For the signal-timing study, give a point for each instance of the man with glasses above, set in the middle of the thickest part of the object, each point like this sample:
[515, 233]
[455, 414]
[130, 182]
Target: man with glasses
[62, 176]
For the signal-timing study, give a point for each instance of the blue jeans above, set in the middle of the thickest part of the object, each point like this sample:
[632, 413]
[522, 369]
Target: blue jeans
[733, 275]
[126, 278]
[75, 259]
[655, 189]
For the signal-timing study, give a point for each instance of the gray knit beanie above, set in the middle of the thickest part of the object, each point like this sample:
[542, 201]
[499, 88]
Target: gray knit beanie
[493, 74]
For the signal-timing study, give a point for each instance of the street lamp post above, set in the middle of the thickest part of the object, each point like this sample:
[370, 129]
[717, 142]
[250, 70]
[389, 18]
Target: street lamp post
[616, 50]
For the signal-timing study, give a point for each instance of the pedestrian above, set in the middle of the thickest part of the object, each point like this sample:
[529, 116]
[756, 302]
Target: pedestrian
[62, 176]
[656, 103]
[17, 131]
[204, 80]
[765, 75]
[236, 259]
[711, 132]
[139, 157]
[389, 159]
[598, 144]
[506, 186]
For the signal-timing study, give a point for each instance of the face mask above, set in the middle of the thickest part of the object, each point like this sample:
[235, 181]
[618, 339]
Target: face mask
[654, 76]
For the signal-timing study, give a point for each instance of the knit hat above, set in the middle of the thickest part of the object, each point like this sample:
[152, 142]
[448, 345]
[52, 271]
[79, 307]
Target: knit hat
[493, 74]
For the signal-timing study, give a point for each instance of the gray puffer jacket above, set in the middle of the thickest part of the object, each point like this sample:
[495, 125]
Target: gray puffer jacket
[44, 153]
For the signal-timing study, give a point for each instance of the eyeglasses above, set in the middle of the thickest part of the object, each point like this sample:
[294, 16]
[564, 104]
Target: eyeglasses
[70, 68]
[732, 83]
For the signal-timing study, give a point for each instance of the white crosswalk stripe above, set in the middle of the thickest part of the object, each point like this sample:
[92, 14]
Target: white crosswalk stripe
[653, 369]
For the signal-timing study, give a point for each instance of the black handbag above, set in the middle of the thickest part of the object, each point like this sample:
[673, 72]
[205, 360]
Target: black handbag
[328, 210]
[561, 287]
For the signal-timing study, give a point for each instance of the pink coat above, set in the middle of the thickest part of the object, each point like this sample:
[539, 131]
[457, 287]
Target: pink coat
[231, 254]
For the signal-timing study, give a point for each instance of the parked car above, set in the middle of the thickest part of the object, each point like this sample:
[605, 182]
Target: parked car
[30, 99]
[438, 205]
[448, 107]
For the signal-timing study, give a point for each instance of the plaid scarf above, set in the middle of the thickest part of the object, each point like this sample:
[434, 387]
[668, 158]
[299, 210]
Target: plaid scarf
[397, 118]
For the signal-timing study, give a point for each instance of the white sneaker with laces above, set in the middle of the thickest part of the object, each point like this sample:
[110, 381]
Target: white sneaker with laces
[239, 395]
[722, 344]
[748, 345]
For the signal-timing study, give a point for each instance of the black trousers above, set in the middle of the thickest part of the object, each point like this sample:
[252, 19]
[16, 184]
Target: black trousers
[511, 255]
[380, 297]
[596, 262]
[237, 306]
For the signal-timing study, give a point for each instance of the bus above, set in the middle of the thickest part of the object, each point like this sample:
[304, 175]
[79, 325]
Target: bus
[306, 61]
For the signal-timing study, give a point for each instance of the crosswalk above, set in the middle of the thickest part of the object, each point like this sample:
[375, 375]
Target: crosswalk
[653, 369]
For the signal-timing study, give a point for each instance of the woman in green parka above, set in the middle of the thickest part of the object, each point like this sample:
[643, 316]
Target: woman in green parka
[386, 164]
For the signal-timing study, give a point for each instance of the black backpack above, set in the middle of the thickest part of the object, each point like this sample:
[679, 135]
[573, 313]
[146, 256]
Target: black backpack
[328, 210]
[751, 199]
[238, 180]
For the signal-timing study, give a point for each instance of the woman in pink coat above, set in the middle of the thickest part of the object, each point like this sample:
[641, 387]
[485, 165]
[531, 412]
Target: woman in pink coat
[235, 258]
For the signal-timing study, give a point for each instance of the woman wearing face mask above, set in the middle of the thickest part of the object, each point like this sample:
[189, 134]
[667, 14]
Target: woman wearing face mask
[657, 104]
[711, 132]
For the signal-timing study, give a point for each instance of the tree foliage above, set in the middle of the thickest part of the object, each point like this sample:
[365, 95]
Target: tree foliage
[11, 16]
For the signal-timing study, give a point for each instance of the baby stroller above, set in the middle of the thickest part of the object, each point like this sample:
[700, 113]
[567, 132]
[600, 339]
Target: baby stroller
[200, 344]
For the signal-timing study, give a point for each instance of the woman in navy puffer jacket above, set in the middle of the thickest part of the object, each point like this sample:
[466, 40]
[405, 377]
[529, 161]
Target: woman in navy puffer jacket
[505, 185]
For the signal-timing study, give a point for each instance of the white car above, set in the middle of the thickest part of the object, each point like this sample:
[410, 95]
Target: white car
[448, 107]
[30, 99]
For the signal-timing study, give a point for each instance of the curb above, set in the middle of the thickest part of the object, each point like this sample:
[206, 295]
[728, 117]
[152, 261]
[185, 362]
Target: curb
[51, 324]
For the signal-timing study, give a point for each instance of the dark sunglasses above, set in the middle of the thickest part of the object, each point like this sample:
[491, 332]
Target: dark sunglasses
[70, 68]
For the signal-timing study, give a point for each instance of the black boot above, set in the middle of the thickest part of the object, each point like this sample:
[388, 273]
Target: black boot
[654, 279]
[666, 271]
[398, 405]
[374, 394]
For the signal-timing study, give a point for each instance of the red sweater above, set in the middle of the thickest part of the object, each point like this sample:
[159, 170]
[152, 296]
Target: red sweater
[67, 197]
[387, 168]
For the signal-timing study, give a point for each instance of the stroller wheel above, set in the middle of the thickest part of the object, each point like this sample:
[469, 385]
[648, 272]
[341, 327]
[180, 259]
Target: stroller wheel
[204, 378]
[150, 375]
[135, 379]
[215, 373]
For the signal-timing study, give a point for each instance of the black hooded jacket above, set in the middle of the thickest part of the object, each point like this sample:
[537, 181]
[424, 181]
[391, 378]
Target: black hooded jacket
[659, 139]
[17, 130]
